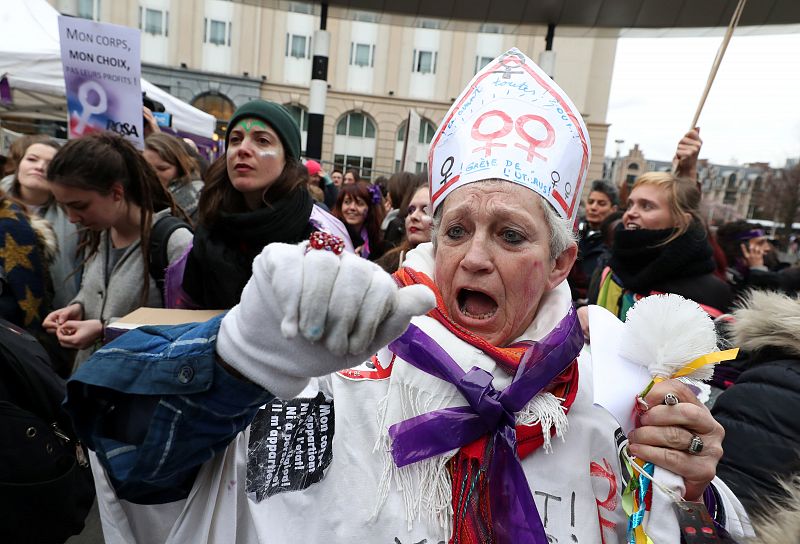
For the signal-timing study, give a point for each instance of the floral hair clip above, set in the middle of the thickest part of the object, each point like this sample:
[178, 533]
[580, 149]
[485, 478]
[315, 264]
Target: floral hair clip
[375, 193]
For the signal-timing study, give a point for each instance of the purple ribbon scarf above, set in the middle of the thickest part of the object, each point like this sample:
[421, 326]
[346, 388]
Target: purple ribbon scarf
[514, 514]
[365, 247]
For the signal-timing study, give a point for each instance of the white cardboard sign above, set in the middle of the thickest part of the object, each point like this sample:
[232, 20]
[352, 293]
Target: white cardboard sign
[102, 74]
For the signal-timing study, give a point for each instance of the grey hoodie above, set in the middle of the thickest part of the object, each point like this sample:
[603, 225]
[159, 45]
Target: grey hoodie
[109, 297]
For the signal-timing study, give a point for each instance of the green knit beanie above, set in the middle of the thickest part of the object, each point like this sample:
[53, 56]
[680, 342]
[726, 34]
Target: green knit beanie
[277, 117]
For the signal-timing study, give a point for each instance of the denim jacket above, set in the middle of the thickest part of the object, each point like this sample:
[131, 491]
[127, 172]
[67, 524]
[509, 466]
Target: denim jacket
[177, 408]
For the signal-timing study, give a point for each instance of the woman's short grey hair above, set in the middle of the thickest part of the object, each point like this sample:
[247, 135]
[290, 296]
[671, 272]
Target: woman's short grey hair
[560, 230]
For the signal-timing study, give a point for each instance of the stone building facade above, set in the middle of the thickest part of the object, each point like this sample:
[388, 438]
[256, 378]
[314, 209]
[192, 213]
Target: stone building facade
[218, 54]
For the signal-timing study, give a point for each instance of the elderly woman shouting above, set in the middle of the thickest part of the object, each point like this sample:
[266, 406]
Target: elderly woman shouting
[457, 407]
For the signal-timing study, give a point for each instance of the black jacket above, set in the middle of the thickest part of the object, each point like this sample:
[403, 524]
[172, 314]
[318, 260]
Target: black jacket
[592, 251]
[762, 429]
[684, 266]
[760, 411]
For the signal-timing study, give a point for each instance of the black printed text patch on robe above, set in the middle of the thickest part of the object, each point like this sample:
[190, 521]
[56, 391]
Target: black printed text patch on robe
[291, 445]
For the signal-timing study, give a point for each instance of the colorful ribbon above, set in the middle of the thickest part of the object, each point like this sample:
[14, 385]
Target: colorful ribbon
[636, 533]
[514, 515]
[636, 501]
[707, 359]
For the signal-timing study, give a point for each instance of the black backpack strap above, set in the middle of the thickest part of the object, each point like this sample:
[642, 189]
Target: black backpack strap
[26, 378]
[159, 239]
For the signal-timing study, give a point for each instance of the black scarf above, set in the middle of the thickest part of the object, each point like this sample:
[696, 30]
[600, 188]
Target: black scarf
[642, 264]
[221, 260]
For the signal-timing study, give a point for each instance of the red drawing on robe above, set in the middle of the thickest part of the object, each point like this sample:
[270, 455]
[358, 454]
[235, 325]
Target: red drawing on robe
[611, 501]
[368, 370]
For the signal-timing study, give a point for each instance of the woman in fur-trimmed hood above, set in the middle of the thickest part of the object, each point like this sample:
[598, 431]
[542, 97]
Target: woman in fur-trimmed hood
[759, 413]
[782, 522]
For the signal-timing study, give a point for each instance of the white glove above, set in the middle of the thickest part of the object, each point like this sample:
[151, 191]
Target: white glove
[344, 309]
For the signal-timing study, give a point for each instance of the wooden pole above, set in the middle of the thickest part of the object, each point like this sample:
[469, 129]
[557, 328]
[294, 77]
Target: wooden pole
[718, 60]
[737, 14]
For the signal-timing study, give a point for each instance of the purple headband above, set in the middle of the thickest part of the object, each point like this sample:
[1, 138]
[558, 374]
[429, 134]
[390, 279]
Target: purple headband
[750, 234]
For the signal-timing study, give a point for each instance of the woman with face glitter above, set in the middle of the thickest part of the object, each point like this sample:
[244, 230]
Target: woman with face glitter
[254, 195]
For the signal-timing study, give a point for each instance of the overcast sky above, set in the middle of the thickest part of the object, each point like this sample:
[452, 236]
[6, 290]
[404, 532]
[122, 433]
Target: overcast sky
[752, 113]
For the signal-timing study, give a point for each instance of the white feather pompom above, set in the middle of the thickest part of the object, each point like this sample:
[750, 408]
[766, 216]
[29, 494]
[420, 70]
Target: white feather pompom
[664, 332]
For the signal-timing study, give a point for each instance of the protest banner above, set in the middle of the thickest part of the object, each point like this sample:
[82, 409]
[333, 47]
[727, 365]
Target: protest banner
[102, 72]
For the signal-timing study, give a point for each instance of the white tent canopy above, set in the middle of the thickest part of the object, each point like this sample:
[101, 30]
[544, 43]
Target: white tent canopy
[30, 62]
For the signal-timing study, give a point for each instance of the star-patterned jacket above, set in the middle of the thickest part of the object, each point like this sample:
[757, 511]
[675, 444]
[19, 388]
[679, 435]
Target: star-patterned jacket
[23, 272]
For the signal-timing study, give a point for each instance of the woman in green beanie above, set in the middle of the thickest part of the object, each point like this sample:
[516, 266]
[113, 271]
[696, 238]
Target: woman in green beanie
[254, 195]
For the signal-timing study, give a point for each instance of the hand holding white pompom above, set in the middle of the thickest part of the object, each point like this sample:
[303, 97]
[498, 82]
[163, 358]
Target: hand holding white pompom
[308, 313]
[673, 337]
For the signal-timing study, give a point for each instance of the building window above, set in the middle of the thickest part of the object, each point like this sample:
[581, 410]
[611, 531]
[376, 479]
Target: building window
[419, 167]
[218, 105]
[365, 16]
[357, 125]
[362, 54]
[298, 47]
[354, 143]
[362, 164]
[217, 32]
[490, 28]
[154, 21]
[301, 7]
[480, 62]
[299, 114]
[89, 9]
[429, 23]
[424, 62]
[426, 131]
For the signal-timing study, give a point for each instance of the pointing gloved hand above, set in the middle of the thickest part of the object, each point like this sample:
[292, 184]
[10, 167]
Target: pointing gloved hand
[305, 314]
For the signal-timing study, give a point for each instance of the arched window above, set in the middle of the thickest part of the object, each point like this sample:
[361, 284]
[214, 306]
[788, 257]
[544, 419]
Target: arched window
[218, 105]
[356, 124]
[354, 143]
[633, 166]
[426, 131]
[420, 159]
[300, 115]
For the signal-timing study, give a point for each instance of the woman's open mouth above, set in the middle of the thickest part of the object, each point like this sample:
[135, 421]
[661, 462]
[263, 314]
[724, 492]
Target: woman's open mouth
[475, 304]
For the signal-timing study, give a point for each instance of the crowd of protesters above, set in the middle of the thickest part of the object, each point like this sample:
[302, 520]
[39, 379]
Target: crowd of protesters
[78, 224]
